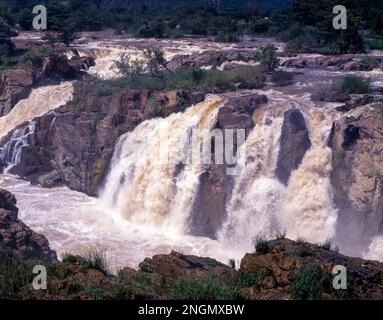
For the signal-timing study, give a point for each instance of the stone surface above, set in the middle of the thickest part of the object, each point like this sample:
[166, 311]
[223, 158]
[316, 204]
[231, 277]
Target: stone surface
[19, 238]
[216, 184]
[357, 177]
[14, 85]
[330, 96]
[294, 143]
[73, 145]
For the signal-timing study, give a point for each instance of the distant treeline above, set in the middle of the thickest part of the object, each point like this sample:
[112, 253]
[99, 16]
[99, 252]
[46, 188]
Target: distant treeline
[305, 24]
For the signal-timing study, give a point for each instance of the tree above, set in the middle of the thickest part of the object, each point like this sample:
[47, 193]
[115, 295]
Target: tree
[6, 45]
[156, 62]
[268, 58]
[128, 66]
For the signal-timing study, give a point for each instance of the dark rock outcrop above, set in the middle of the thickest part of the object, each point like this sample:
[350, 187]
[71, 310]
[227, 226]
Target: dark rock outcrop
[19, 238]
[209, 58]
[357, 176]
[176, 265]
[294, 143]
[330, 96]
[216, 184]
[344, 62]
[280, 265]
[14, 85]
[59, 67]
[286, 270]
[357, 101]
[73, 145]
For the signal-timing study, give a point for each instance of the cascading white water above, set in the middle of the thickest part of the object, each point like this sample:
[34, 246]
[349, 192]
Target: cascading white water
[40, 101]
[256, 191]
[143, 187]
[260, 203]
[10, 153]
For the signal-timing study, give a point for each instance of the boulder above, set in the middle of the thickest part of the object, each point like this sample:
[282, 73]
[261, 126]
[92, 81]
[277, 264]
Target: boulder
[357, 144]
[294, 143]
[215, 183]
[330, 96]
[279, 267]
[176, 265]
[59, 67]
[73, 145]
[19, 238]
[15, 85]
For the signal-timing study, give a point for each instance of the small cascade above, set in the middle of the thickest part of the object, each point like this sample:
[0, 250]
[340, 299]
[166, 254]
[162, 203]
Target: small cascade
[40, 101]
[148, 182]
[10, 153]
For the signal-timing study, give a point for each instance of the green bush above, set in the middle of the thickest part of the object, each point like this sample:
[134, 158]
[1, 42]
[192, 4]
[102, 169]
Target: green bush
[325, 245]
[268, 58]
[374, 44]
[14, 277]
[354, 84]
[203, 289]
[371, 62]
[261, 245]
[309, 284]
[251, 279]
[35, 58]
[96, 259]
[248, 77]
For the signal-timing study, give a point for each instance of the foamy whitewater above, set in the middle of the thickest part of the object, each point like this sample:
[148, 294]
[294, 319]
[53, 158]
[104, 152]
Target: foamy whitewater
[145, 204]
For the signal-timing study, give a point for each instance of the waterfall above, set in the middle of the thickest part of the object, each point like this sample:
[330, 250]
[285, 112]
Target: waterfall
[260, 204]
[40, 101]
[10, 153]
[256, 192]
[143, 187]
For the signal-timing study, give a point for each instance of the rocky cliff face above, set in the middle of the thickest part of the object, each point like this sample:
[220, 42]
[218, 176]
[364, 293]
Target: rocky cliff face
[357, 177]
[294, 143]
[19, 238]
[14, 86]
[282, 270]
[73, 145]
[216, 184]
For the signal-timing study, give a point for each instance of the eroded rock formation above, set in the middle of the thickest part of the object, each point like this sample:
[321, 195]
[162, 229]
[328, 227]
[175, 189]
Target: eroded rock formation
[357, 144]
[73, 145]
[216, 184]
[18, 237]
[294, 143]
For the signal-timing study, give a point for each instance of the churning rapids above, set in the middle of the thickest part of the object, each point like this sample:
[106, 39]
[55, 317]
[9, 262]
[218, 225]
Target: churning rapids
[142, 210]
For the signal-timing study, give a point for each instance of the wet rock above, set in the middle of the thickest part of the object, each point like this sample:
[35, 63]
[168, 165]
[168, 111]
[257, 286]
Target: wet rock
[357, 144]
[280, 266]
[58, 66]
[19, 238]
[358, 101]
[330, 96]
[14, 86]
[73, 145]
[344, 62]
[216, 182]
[175, 265]
[294, 143]
[209, 58]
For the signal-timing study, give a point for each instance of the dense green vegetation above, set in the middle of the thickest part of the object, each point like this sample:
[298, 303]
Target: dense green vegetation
[310, 284]
[305, 24]
[353, 84]
[246, 77]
